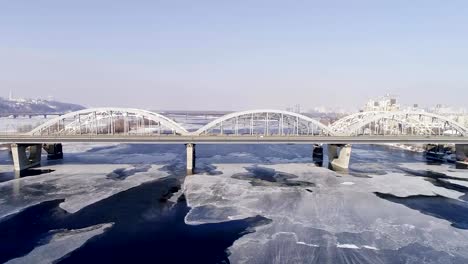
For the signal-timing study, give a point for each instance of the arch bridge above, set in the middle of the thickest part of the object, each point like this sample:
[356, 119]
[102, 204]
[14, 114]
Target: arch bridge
[136, 122]
[129, 125]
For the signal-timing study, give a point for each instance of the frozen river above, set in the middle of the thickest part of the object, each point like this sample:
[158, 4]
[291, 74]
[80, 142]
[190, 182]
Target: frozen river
[119, 203]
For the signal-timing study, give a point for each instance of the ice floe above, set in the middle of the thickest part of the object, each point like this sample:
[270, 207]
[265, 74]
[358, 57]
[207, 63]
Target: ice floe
[79, 184]
[60, 243]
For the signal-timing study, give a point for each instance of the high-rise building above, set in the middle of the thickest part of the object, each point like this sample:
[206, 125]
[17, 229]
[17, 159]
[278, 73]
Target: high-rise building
[386, 103]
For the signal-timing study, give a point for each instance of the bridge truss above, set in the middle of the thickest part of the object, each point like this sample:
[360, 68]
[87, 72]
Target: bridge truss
[408, 123]
[265, 122]
[135, 122]
[110, 121]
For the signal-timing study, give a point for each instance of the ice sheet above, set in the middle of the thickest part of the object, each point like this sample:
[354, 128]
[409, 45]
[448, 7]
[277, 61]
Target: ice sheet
[332, 215]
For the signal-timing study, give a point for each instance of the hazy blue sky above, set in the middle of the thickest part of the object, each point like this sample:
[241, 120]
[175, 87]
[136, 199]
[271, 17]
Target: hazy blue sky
[234, 54]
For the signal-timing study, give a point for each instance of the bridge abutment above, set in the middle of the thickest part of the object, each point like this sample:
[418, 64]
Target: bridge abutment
[339, 155]
[462, 156]
[190, 158]
[26, 156]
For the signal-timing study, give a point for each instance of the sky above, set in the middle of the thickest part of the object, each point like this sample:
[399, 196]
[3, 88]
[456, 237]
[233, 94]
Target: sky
[235, 55]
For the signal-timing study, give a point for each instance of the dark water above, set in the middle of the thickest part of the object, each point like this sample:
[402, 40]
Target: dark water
[149, 228]
[452, 210]
[261, 176]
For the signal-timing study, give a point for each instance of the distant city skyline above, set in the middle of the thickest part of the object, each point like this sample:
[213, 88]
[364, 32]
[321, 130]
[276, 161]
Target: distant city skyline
[300, 109]
[217, 55]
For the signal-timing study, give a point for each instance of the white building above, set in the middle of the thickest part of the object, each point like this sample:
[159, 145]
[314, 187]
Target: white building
[386, 103]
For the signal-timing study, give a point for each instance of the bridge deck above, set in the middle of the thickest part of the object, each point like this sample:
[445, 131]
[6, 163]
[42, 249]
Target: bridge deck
[256, 139]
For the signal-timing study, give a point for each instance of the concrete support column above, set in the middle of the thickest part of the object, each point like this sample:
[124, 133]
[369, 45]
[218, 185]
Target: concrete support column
[317, 154]
[22, 160]
[339, 156]
[462, 156]
[54, 151]
[190, 158]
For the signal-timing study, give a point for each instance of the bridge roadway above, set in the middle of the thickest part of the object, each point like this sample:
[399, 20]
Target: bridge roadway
[29, 114]
[231, 139]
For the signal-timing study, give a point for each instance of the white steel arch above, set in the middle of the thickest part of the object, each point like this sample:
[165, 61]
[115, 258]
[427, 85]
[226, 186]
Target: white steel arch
[398, 122]
[341, 125]
[109, 120]
[265, 122]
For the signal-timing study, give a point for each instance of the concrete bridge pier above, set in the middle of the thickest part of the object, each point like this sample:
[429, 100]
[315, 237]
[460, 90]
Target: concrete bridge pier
[54, 151]
[26, 156]
[462, 156]
[190, 158]
[317, 154]
[339, 156]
